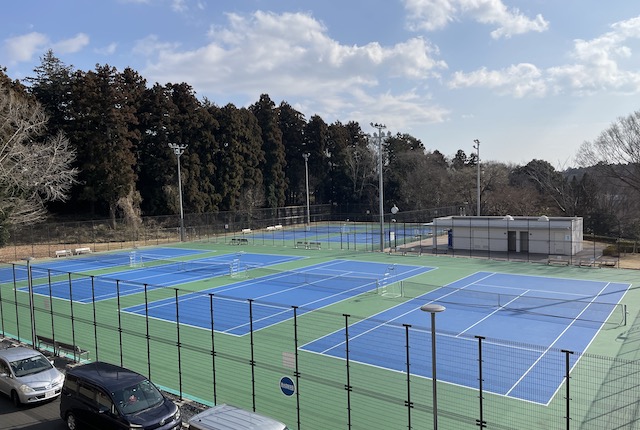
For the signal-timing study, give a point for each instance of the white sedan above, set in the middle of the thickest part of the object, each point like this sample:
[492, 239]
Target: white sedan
[27, 376]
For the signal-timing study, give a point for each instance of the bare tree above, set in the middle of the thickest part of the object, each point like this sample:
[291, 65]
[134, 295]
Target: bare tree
[616, 152]
[34, 168]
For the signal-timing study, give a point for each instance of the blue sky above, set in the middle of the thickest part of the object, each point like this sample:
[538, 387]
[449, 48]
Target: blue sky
[531, 79]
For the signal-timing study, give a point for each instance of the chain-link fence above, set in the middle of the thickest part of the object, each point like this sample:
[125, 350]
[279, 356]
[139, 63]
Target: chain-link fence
[194, 359]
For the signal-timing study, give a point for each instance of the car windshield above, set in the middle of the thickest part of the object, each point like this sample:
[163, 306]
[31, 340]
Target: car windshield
[139, 397]
[31, 365]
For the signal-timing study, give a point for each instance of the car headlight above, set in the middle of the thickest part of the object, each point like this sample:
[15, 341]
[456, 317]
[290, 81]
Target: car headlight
[59, 380]
[178, 414]
[26, 389]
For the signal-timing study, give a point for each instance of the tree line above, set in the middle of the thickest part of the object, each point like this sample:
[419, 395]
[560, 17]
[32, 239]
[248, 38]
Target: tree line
[112, 131]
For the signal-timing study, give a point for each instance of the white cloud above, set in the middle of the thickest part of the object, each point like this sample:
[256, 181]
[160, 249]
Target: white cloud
[596, 67]
[433, 15]
[291, 56]
[74, 44]
[23, 48]
[110, 49]
[518, 80]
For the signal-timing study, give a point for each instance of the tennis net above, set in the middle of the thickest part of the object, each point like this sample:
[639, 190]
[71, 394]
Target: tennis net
[319, 280]
[217, 268]
[575, 308]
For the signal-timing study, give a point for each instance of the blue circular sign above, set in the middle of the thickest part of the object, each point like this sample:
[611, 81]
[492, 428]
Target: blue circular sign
[287, 386]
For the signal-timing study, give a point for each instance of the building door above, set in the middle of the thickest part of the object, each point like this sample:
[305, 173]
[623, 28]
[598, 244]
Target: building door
[524, 241]
[511, 241]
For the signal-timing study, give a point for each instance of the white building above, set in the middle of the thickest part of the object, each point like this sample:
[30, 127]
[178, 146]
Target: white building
[521, 234]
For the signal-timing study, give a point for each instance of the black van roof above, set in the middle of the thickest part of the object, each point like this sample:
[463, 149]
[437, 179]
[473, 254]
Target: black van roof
[106, 375]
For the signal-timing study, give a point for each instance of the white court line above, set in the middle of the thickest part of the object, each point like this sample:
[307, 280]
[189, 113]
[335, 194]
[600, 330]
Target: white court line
[557, 339]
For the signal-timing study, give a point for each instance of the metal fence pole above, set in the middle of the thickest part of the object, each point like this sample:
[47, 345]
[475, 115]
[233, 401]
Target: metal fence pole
[213, 349]
[53, 331]
[567, 392]
[73, 328]
[297, 366]
[480, 422]
[119, 321]
[95, 320]
[146, 320]
[347, 386]
[408, 403]
[178, 343]
[252, 362]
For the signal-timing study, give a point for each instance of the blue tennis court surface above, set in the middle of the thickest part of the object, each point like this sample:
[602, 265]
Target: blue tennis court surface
[157, 274]
[550, 312]
[87, 263]
[312, 288]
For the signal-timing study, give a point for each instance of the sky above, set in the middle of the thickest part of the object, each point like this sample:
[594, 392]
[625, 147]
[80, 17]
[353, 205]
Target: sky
[529, 79]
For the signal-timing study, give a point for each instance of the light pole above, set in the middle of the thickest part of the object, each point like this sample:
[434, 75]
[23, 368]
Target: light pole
[306, 175]
[179, 150]
[380, 127]
[433, 309]
[477, 148]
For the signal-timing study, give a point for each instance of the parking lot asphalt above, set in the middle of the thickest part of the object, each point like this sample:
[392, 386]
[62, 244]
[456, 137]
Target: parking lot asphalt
[44, 416]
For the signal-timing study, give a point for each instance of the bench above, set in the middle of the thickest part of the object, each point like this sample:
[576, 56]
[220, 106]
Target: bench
[586, 262]
[239, 241]
[83, 250]
[70, 349]
[607, 263]
[246, 230]
[63, 253]
[308, 245]
[278, 227]
[59, 348]
[560, 260]
[46, 341]
[314, 245]
[270, 228]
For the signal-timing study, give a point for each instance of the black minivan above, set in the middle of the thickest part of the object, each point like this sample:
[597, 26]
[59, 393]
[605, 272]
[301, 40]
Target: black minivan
[104, 396]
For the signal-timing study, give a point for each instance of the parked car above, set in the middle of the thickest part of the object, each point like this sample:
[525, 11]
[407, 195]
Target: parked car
[227, 417]
[27, 376]
[104, 396]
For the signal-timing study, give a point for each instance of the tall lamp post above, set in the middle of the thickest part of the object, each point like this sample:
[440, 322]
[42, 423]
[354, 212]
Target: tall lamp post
[433, 309]
[477, 148]
[306, 175]
[179, 150]
[380, 127]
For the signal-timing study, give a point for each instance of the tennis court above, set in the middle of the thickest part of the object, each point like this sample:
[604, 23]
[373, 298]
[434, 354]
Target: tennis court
[544, 311]
[153, 268]
[347, 329]
[315, 287]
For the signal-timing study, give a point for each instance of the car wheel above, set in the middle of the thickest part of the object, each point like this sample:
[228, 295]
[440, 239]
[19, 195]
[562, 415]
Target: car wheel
[72, 424]
[15, 399]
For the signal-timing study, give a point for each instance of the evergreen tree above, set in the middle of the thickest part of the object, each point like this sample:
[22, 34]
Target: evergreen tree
[275, 186]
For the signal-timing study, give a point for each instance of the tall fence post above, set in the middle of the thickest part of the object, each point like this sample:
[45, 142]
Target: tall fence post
[53, 330]
[253, 361]
[213, 350]
[347, 386]
[146, 320]
[15, 300]
[567, 376]
[119, 321]
[408, 403]
[297, 368]
[95, 320]
[480, 422]
[178, 344]
[73, 326]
